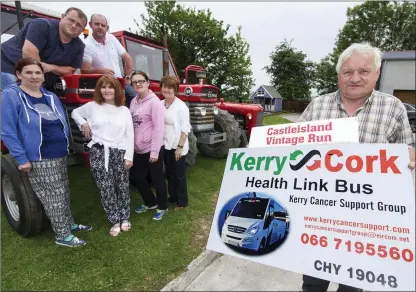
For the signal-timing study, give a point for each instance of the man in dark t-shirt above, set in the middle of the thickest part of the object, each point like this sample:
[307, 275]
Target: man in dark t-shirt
[55, 43]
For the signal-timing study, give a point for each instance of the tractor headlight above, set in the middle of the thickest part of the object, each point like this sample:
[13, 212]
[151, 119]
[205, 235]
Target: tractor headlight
[60, 85]
[249, 116]
[215, 110]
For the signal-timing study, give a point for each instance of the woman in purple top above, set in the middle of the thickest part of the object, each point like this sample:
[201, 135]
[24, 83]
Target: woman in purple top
[148, 123]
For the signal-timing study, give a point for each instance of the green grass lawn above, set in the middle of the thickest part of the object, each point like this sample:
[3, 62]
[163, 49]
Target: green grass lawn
[275, 119]
[146, 258]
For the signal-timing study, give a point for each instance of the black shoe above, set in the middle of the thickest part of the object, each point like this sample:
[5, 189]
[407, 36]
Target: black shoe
[179, 207]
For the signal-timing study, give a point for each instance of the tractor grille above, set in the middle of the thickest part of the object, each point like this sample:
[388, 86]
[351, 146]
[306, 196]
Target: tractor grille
[196, 118]
[260, 116]
[76, 135]
[209, 92]
[236, 229]
[86, 87]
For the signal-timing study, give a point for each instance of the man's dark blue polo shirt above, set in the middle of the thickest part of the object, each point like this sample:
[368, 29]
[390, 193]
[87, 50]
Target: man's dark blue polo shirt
[44, 34]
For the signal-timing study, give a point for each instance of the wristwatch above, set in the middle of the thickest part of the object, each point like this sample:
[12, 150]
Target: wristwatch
[180, 146]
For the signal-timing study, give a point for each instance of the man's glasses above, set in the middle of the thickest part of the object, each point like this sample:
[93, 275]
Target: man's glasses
[138, 82]
[73, 21]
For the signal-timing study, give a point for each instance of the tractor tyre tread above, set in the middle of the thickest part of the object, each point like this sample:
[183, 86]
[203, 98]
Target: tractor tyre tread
[230, 126]
[31, 215]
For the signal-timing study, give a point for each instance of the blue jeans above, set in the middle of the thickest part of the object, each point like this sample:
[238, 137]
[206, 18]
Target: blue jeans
[130, 94]
[7, 79]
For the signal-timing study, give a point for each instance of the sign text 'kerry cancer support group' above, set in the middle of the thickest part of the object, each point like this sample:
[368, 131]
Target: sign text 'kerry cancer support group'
[314, 132]
[331, 211]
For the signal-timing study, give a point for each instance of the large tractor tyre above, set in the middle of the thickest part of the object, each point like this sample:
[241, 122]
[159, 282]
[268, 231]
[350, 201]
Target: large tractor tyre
[243, 139]
[192, 152]
[224, 122]
[190, 157]
[22, 208]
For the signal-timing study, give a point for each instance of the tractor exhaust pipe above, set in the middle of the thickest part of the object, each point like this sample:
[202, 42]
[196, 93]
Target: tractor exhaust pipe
[19, 14]
[165, 52]
[20, 17]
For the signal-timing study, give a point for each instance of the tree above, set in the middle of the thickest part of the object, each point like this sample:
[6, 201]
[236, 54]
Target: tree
[239, 80]
[291, 74]
[326, 76]
[389, 26]
[195, 37]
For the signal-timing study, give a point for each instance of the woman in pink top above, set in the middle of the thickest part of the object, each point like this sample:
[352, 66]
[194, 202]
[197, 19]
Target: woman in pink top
[148, 122]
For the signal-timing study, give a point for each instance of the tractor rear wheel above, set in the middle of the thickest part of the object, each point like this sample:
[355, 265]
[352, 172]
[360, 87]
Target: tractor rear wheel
[224, 122]
[22, 208]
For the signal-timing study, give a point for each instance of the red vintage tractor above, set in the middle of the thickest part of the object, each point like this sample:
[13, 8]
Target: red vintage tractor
[216, 126]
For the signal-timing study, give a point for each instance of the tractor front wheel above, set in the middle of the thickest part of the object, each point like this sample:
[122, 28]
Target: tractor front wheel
[224, 122]
[192, 152]
[243, 139]
[22, 208]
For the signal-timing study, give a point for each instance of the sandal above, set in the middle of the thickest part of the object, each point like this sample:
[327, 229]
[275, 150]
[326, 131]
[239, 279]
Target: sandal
[125, 225]
[115, 230]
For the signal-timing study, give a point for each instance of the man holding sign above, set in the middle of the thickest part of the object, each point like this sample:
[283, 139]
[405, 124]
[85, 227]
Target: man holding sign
[382, 117]
[329, 211]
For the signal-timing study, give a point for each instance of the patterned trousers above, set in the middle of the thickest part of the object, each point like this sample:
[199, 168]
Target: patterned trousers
[113, 184]
[49, 180]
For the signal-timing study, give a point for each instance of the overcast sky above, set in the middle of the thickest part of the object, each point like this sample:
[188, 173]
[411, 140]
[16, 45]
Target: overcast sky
[313, 26]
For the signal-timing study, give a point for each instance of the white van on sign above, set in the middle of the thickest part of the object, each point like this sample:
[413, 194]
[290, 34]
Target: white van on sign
[255, 224]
